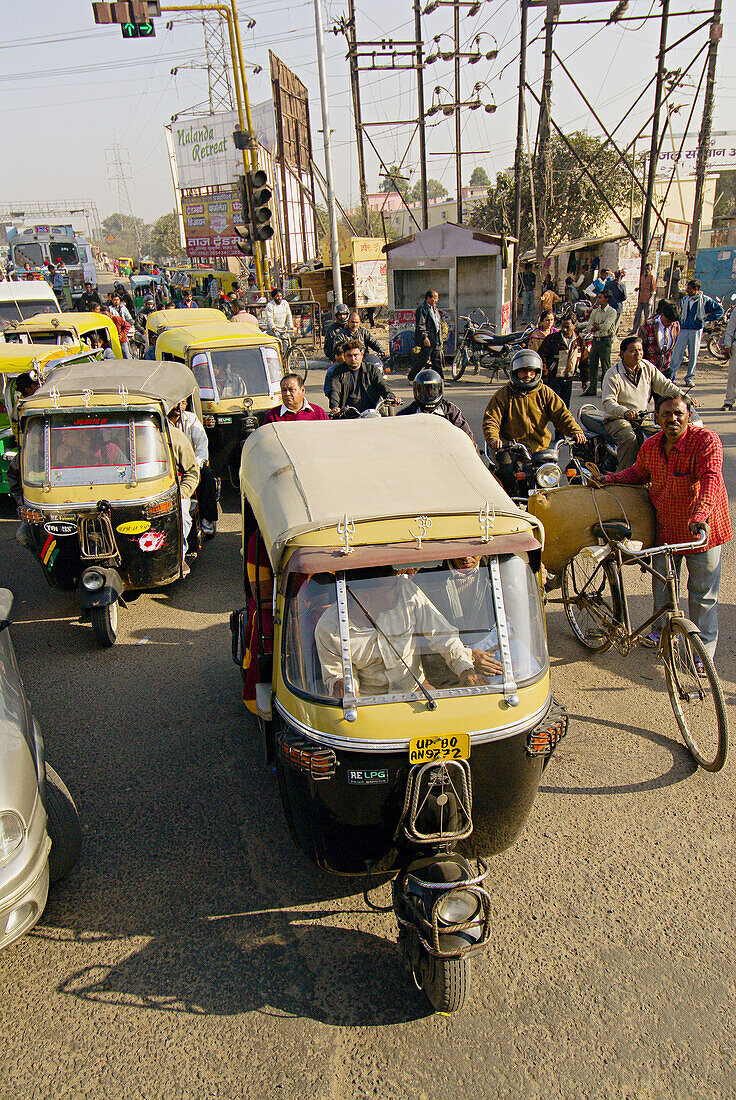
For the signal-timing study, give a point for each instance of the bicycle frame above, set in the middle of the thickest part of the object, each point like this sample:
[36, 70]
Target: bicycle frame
[623, 635]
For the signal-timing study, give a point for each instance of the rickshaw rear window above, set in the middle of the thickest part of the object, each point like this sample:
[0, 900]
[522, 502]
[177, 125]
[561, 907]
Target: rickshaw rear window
[240, 372]
[438, 624]
[79, 449]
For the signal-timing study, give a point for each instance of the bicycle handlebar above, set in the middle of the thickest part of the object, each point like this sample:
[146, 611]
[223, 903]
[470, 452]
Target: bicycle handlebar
[673, 548]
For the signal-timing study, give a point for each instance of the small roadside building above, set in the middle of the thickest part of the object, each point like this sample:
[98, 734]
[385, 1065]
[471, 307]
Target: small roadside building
[468, 268]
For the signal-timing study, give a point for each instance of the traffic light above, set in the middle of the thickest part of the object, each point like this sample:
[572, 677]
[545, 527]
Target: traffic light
[244, 231]
[134, 16]
[138, 30]
[259, 196]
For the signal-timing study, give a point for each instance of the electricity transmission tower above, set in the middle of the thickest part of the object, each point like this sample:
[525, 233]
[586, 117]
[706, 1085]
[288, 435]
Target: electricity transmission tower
[118, 172]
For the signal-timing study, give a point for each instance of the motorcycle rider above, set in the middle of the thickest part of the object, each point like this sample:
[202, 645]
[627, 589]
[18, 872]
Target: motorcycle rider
[356, 332]
[627, 390]
[357, 384]
[337, 333]
[520, 411]
[429, 389]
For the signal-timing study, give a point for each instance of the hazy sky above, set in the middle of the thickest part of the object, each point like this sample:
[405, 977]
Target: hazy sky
[72, 88]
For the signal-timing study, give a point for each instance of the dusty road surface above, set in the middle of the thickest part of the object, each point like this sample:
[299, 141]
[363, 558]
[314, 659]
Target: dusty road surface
[193, 953]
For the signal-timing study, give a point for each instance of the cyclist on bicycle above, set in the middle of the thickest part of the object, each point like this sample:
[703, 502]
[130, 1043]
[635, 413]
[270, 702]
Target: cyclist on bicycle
[279, 321]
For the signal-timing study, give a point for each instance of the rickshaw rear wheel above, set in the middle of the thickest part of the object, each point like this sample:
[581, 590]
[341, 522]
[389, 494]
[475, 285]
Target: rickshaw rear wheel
[446, 982]
[105, 624]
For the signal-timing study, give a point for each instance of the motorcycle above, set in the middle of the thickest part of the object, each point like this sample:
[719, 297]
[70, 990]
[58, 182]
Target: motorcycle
[715, 331]
[396, 766]
[479, 346]
[530, 471]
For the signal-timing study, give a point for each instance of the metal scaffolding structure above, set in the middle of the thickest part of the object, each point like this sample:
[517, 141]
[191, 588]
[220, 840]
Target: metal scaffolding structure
[34, 211]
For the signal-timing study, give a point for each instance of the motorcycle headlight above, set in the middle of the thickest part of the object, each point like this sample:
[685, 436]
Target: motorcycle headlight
[458, 907]
[93, 581]
[12, 831]
[548, 475]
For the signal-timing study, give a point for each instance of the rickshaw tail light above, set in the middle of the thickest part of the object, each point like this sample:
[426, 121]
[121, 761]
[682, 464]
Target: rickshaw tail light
[302, 754]
[544, 737]
[159, 508]
[30, 515]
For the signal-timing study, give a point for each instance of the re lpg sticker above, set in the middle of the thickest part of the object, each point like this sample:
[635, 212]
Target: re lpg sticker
[153, 540]
[364, 776]
[133, 527]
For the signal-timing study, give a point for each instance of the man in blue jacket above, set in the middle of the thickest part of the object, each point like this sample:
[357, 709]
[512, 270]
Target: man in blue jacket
[695, 309]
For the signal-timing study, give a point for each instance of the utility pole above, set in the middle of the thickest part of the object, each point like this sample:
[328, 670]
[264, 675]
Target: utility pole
[355, 86]
[331, 210]
[544, 149]
[716, 31]
[421, 114]
[654, 148]
[458, 151]
[519, 161]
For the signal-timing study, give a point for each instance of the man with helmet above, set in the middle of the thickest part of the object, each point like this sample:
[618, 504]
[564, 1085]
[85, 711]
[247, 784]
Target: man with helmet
[429, 390]
[520, 411]
[338, 332]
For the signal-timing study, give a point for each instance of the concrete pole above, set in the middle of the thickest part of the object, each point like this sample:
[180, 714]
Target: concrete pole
[331, 208]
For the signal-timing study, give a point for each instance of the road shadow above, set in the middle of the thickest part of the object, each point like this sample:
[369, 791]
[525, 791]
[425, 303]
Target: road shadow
[683, 766]
[255, 962]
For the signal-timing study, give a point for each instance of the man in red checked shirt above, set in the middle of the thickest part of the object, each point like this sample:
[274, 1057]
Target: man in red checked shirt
[683, 465]
[294, 404]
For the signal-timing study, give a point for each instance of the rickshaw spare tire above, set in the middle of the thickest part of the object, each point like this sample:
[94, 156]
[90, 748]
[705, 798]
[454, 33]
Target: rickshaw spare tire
[105, 624]
[446, 982]
[62, 825]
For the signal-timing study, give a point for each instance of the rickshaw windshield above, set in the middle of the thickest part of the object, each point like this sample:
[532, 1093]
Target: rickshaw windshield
[105, 449]
[22, 310]
[244, 371]
[437, 624]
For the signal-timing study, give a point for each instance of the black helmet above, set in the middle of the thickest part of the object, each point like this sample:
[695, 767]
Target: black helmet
[525, 359]
[340, 310]
[428, 389]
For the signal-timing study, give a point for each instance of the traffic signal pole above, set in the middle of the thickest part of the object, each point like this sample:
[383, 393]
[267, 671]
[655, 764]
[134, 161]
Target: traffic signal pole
[331, 208]
[245, 120]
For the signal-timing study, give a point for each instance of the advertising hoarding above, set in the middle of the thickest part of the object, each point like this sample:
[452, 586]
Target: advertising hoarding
[721, 155]
[209, 223]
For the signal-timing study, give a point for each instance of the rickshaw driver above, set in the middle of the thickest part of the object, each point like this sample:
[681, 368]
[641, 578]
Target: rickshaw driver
[401, 612]
[229, 384]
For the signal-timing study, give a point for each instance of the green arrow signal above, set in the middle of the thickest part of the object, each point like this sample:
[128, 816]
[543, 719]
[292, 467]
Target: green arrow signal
[130, 30]
[145, 29]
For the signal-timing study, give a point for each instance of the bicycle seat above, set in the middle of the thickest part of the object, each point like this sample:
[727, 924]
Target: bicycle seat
[612, 530]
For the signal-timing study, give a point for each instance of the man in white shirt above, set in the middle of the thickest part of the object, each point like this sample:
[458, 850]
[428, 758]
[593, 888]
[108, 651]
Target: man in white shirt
[602, 325]
[189, 423]
[278, 314]
[627, 390]
[384, 652]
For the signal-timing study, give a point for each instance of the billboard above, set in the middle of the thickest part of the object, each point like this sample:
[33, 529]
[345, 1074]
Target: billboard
[721, 155]
[208, 223]
[205, 153]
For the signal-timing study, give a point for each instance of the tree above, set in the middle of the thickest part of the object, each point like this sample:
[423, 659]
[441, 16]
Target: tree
[575, 207]
[435, 191]
[165, 237]
[394, 181]
[479, 177]
[127, 231]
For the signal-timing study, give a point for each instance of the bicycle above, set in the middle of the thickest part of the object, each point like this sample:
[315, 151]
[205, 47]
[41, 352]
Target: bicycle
[596, 605]
[295, 360]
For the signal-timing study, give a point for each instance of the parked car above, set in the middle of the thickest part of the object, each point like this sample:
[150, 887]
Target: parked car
[40, 834]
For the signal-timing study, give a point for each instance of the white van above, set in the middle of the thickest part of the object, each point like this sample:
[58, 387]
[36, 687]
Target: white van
[19, 301]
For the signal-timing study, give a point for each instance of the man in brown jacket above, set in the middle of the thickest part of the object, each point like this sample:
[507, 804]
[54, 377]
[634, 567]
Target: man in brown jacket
[521, 410]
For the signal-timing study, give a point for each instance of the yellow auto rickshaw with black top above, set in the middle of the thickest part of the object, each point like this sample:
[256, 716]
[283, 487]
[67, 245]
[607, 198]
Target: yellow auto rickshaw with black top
[403, 686]
[163, 319]
[66, 329]
[238, 371]
[101, 495]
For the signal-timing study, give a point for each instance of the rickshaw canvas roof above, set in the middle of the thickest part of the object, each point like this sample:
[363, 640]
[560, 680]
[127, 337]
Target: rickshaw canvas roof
[215, 334]
[304, 476]
[19, 358]
[165, 382]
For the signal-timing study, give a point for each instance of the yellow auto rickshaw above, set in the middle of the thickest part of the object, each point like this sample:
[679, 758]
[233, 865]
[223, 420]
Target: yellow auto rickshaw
[200, 282]
[67, 328]
[403, 682]
[162, 319]
[238, 371]
[101, 494]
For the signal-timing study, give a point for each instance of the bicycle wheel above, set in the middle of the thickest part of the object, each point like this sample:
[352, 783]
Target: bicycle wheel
[696, 696]
[591, 594]
[296, 363]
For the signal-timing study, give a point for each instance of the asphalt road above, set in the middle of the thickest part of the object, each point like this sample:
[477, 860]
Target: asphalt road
[193, 953]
